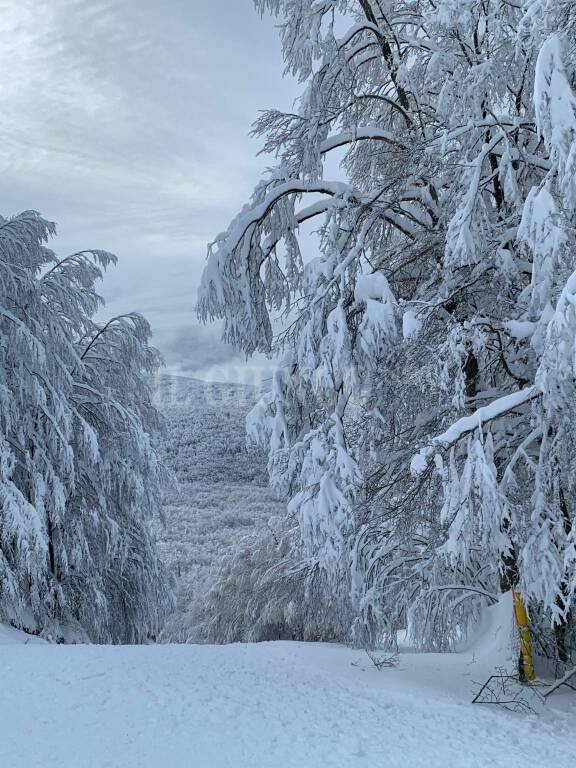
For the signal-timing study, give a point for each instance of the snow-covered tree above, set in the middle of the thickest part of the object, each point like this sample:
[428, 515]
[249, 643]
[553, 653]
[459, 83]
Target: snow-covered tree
[421, 422]
[79, 476]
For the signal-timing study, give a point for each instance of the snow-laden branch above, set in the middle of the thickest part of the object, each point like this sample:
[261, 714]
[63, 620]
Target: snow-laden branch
[502, 122]
[571, 673]
[364, 26]
[315, 209]
[559, 325]
[485, 414]
[474, 421]
[360, 134]
[258, 213]
[465, 588]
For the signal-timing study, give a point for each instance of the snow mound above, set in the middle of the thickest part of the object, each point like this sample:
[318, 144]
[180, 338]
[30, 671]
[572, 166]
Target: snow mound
[11, 636]
[494, 643]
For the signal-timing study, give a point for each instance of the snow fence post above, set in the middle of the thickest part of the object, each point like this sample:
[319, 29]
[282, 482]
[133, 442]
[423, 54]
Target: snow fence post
[526, 659]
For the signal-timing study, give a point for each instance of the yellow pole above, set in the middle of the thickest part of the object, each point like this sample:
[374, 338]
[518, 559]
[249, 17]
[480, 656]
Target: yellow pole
[521, 617]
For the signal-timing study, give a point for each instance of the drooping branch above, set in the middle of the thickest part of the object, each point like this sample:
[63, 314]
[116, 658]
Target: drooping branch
[258, 213]
[362, 133]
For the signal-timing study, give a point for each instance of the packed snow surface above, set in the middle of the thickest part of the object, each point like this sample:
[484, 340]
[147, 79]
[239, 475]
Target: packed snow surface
[270, 705]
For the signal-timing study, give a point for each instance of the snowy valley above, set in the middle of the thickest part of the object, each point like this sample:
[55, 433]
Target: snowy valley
[218, 494]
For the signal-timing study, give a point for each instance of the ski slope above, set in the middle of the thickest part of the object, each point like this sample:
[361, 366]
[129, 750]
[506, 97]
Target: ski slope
[270, 705]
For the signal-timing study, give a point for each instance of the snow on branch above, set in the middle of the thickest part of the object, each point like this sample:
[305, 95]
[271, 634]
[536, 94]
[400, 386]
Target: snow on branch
[474, 421]
[257, 213]
[360, 134]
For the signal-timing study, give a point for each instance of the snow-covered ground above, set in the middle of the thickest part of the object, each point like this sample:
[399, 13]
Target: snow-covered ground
[269, 705]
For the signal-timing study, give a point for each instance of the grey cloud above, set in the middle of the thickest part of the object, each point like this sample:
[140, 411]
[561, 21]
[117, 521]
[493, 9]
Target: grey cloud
[196, 350]
[127, 123]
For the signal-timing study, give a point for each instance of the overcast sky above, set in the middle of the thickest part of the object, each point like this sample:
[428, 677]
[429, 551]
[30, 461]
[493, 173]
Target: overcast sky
[126, 122]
